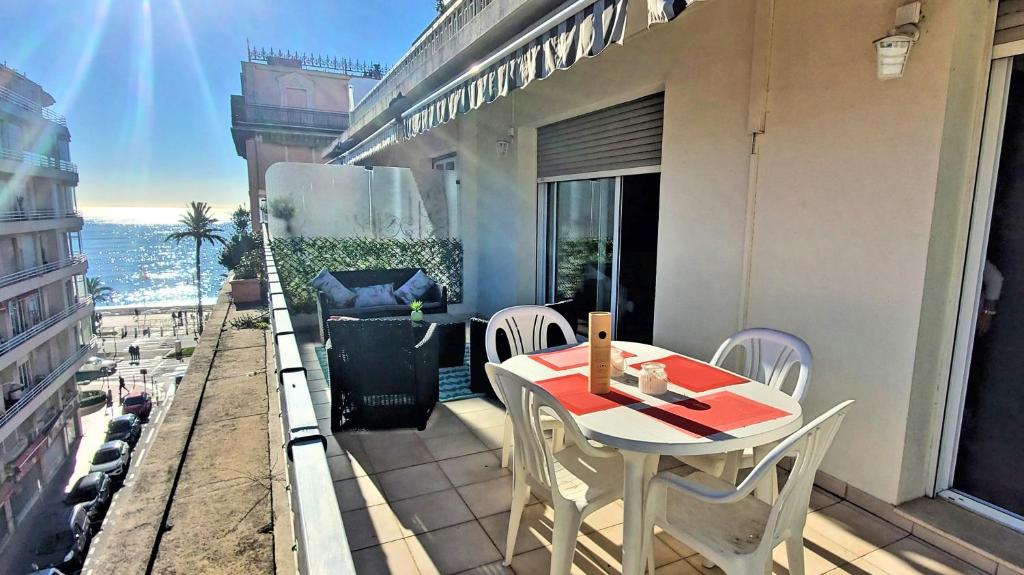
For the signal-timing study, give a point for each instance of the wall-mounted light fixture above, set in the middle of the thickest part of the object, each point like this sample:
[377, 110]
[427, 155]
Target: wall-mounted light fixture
[893, 50]
[506, 141]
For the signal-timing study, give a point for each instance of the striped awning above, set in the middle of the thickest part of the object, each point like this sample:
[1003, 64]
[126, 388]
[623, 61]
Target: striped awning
[583, 34]
[578, 31]
[390, 133]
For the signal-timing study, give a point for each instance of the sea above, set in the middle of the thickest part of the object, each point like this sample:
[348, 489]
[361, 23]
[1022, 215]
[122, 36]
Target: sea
[127, 251]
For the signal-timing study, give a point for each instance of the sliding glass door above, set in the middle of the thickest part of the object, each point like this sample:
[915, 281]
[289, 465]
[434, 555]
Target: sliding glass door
[600, 242]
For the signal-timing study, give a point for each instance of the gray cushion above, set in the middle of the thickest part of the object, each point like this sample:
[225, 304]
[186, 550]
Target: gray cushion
[336, 292]
[371, 296]
[414, 288]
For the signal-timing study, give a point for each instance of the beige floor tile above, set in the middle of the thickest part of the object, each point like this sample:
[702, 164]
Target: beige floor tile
[449, 446]
[909, 555]
[604, 549]
[821, 499]
[681, 567]
[491, 436]
[607, 516]
[358, 493]
[682, 549]
[534, 528]
[388, 559]
[839, 534]
[347, 466]
[482, 419]
[441, 425]
[489, 497]
[474, 468]
[395, 452]
[452, 549]
[371, 526]
[348, 440]
[334, 447]
[412, 481]
[472, 404]
[496, 568]
[431, 511]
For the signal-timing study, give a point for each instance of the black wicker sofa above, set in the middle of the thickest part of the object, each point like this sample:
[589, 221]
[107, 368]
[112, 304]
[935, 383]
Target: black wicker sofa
[434, 301]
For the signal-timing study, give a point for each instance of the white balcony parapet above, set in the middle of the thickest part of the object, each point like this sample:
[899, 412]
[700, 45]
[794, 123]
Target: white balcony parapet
[32, 272]
[49, 322]
[38, 160]
[23, 102]
[28, 215]
[54, 376]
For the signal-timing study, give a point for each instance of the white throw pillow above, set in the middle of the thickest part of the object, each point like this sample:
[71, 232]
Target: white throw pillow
[337, 294]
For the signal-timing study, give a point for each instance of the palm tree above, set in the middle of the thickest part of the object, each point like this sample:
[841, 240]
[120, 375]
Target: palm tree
[97, 291]
[201, 227]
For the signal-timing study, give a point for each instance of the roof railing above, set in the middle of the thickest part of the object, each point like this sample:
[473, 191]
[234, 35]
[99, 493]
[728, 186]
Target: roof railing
[448, 23]
[23, 102]
[321, 546]
[53, 376]
[27, 273]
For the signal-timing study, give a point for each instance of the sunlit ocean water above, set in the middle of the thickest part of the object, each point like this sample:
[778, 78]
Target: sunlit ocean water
[126, 249]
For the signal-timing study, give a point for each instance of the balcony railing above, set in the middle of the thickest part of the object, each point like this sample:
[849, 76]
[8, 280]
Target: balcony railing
[321, 546]
[23, 102]
[27, 215]
[32, 272]
[43, 325]
[455, 17]
[46, 382]
[263, 114]
[38, 160]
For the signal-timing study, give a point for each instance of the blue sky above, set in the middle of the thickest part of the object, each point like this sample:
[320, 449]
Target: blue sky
[145, 85]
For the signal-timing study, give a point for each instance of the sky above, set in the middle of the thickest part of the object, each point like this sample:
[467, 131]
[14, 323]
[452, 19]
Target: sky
[146, 85]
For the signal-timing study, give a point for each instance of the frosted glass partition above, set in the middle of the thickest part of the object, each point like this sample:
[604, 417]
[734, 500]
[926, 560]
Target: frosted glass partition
[317, 200]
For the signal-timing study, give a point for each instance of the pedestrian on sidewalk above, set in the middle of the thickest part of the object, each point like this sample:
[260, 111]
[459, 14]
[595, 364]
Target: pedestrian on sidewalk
[120, 386]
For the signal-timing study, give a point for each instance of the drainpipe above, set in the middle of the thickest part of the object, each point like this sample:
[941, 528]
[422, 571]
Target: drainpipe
[758, 108]
[351, 98]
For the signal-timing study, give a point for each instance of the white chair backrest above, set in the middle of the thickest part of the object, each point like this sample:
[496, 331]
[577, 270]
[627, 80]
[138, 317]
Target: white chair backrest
[809, 445]
[525, 403]
[526, 327]
[768, 357]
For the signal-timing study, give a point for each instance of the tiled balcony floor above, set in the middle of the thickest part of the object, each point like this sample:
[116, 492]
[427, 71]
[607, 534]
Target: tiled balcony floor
[437, 501]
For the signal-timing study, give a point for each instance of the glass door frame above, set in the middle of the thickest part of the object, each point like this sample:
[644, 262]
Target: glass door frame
[545, 186]
[974, 262]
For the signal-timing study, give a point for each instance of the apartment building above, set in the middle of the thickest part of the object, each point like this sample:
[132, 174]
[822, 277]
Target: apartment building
[45, 314]
[291, 107]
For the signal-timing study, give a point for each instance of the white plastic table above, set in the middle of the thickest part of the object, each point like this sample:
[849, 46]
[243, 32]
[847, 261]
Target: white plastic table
[642, 439]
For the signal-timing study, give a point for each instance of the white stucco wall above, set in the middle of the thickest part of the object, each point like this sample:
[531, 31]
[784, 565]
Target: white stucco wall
[836, 220]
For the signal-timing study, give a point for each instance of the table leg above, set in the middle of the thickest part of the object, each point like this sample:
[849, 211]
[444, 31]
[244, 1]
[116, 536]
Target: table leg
[638, 469]
[765, 490]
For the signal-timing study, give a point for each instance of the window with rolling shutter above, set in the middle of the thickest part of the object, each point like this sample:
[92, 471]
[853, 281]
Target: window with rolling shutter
[1010, 21]
[623, 136]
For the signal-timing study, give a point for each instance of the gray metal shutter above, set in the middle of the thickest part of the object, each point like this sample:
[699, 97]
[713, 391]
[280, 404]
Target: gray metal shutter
[623, 136]
[1010, 22]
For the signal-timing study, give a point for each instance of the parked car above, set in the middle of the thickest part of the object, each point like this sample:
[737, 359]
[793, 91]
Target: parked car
[103, 365]
[112, 458]
[138, 403]
[126, 428]
[69, 543]
[94, 491]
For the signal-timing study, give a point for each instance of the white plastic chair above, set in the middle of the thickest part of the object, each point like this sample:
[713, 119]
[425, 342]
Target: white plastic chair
[731, 527]
[576, 480]
[769, 356]
[526, 329]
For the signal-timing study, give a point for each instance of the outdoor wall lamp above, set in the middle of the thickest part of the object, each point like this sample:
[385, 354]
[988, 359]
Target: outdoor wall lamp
[504, 142]
[893, 50]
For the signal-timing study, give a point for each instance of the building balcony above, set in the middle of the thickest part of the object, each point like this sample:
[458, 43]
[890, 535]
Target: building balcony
[12, 97]
[20, 345]
[39, 160]
[31, 278]
[36, 394]
[279, 123]
[28, 221]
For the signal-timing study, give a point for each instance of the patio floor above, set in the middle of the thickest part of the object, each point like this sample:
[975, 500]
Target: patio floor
[437, 501]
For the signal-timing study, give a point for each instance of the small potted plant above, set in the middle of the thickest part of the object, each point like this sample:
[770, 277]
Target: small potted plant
[246, 284]
[417, 311]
